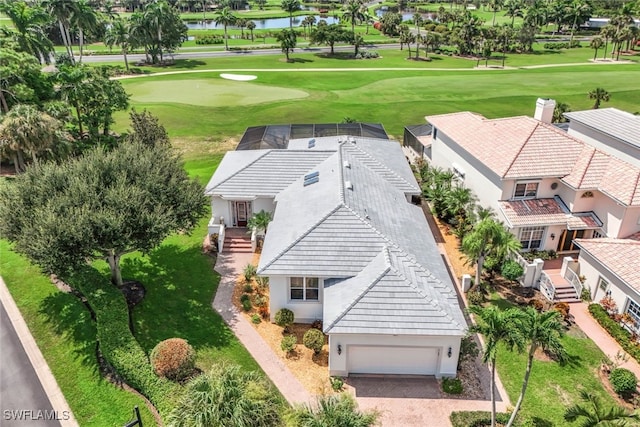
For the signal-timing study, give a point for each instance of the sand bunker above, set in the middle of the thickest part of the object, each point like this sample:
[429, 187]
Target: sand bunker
[238, 77]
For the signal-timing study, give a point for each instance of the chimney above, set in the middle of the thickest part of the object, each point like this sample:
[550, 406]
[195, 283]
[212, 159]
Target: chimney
[544, 110]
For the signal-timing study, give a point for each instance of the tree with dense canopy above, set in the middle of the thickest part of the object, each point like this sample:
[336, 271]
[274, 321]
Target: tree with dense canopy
[287, 39]
[227, 396]
[103, 204]
[329, 35]
[29, 23]
[21, 80]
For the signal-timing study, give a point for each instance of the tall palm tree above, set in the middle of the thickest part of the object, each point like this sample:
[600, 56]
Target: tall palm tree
[541, 331]
[599, 95]
[595, 44]
[594, 414]
[497, 327]
[71, 89]
[417, 21]
[352, 12]
[608, 32]
[63, 10]
[368, 18]
[514, 9]
[337, 410]
[154, 14]
[226, 18]
[29, 23]
[495, 6]
[119, 35]
[291, 6]
[577, 11]
[227, 396]
[287, 39]
[84, 17]
[251, 26]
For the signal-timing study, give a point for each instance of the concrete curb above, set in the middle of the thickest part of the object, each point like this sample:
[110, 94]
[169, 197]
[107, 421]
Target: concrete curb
[51, 388]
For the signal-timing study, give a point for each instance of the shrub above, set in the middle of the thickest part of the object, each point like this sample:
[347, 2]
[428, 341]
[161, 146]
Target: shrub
[563, 309]
[284, 318]
[209, 39]
[585, 295]
[617, 332]
[249, 272]
[317, 324]
[262, 282]
[260, 301]
[452, 386]
[256, 319]
[537, 304]
[246, 305]
[337, 383]
[609, 305]
[244, 297]
[475, 418]
[475, 297]
[623, 381]
[173, 359]
[313, 339]
[247, 288]
[511, 270]
[263, 311]
[288, 343]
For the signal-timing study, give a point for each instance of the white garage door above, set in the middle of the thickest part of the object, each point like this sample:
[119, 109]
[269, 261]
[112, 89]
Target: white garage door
[392, 360]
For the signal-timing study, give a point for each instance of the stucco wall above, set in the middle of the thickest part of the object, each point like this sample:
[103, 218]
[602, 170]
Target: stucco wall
[446, 365]
[304, 311]
[263, 203]
[485, 184]
[221, 208]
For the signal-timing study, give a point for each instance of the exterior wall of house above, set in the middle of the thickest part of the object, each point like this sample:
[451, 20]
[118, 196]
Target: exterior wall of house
[630, 222]
[221, 208]
[280, 297]
[592, 270]
[446, 366]
[484, 183]
[263, 203]
[544, 187]
[605, 143]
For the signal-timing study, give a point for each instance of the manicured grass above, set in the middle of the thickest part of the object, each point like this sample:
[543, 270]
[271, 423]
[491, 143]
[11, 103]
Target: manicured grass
[552, 386]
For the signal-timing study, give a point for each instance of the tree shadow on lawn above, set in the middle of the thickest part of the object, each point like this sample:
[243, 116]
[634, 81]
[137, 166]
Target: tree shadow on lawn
[185, 64]
[180, 284]
[336, 55]
[299, 60]
[70, 319]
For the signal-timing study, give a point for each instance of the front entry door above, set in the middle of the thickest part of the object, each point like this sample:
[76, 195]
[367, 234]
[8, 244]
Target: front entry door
[566, 240]
[242, 212]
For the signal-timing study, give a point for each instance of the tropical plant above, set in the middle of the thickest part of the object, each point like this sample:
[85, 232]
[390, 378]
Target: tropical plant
[594, 414]
[497, 327]
[288, 343]
[62, 11]
[225, 18]
[511, 270]
[352, 12]
[623, 381]
[29, 23]
[227, 396]
[599, 95]
[542, 331]
[336, 410]
[173, 359]
[595, 44]
[284, 318]
[84, 18]
[514, 9]
[576, 12]
[558, 112]
[118, 34]
[608, 32]
[313, 339]
[260, 221]
[291, 7]
[329, 35]
[287, 39]
[251, 26]
[21, 80]
[249, 272]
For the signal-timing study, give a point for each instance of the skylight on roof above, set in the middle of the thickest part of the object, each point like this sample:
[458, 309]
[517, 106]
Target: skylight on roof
[312, 142]
[311, 178]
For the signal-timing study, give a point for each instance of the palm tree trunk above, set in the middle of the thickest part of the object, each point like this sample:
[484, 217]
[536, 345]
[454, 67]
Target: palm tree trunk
[493, 393]
[3, 102]
[226, 42]
[525, 383]
[479, 265]
[77, 107]
[63, 34]
[606, 43]
[14, 158]
[114, 264]
[73, 58]
[126, 62]
[81, 44]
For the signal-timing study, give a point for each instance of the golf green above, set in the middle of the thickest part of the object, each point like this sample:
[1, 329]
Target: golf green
[210, 92]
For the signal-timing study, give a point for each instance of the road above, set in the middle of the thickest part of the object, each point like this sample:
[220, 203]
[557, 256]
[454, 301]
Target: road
[21, 393]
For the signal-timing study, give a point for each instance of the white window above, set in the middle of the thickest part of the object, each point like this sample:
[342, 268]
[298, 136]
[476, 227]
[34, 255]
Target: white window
[633, 309]
[603, 284]
[526, 190]
[531, 237]
[304, 288]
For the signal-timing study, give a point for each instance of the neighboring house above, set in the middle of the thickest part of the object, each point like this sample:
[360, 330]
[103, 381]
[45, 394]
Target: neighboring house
[347, 247]
[549, 186]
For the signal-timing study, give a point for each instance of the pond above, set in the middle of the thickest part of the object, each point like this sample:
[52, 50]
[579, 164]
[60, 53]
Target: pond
[261, 24]
[406, 16]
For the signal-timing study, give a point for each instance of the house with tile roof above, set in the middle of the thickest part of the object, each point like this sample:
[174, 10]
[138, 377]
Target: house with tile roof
[347, 246]
[551, 187]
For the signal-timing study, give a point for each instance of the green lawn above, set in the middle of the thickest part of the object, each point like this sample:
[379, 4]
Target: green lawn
[552, 386]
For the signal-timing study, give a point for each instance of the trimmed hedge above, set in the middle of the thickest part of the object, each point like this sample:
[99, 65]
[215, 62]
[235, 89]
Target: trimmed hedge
[623, 381]
[621, 335]
[118, 345]
[476, 418]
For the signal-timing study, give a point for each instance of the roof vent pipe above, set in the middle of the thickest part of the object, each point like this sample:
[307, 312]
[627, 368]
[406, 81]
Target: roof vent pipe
[347, 164]
[348, 185]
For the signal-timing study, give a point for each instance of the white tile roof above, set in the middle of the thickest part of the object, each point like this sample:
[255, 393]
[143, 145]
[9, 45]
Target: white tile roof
[522, 147]
[621, 256]
[618, 124]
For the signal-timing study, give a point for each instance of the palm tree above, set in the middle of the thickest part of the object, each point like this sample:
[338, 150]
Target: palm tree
[352, 12]
[226, 18]
[593, 414]
[242, 23]
[497, 327]
[495, 6]
[29, 23]
[578, 11]
[227, 396]
[542, 331]
[514, 8]
[251, 26]
[154, 14]
[291, 6]
[260, 221]
[417, 21]
[596, 43]
[84, 17]
[287, 39]
[457, 202]
[488, 237]
[63, 10]
[71, 89]
[119, 35]
[558, 112]
[599, 95]
[608, 32]
[337, 410]
[406, 37]
[367, 18]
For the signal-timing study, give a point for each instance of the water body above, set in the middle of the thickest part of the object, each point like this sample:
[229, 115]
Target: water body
[261, 24]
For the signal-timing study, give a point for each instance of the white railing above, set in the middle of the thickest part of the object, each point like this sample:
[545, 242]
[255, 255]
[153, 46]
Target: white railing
[214, 227]
[571, 277]
[254, 239]
[520, 260]
[221, 237]
[546, 287]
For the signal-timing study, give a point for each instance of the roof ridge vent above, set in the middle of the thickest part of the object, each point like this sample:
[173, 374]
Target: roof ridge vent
[348, 185]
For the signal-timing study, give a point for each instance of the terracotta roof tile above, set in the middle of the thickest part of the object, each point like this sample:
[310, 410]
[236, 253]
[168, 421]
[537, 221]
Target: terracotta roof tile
[543, 212]
[621, 256]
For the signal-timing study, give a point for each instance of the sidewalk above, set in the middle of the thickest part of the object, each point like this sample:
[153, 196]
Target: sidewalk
[598, 335]
[29, 389]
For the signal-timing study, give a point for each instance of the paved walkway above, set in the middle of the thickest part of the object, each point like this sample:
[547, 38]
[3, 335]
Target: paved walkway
[598, 335]
[29, 393]
[401, 402]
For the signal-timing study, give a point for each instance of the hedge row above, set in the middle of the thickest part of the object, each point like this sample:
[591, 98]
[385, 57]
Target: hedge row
[476, 418]
[118, 345]
[621, 335]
